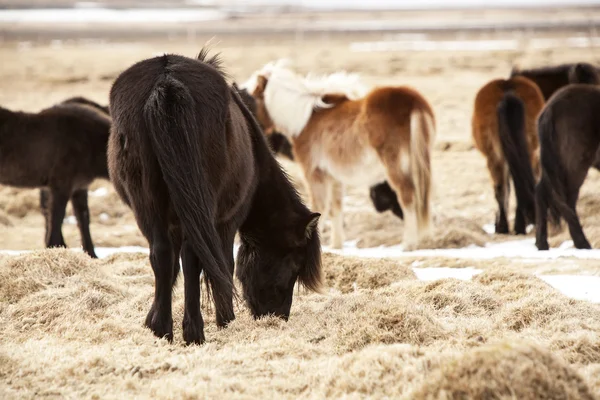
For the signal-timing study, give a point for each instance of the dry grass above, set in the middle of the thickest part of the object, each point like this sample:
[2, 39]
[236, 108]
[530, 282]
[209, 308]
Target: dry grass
[72, 326]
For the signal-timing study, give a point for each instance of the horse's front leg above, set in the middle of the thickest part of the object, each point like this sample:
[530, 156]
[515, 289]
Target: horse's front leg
[337, 216]
[320, 188]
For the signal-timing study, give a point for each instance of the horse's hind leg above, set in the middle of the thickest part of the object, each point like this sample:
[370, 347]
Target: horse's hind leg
[159, 318]
[193, 324]
[499, 174]
[541, 217]
[58, 207]
[79, 200]
[575, 229]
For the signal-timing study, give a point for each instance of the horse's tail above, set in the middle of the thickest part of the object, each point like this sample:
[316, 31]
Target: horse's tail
[422, 136]
[511, 130]
[551, 189]
[173, 123]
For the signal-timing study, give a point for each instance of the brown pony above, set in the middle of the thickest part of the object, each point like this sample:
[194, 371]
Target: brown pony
[504, 131]
[569, 132]
[343, 133]
[190, 159]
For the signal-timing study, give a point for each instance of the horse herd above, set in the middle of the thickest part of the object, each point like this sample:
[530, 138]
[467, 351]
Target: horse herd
[194, 158]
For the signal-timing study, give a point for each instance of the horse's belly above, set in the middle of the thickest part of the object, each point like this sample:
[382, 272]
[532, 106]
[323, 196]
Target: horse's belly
[365, 170]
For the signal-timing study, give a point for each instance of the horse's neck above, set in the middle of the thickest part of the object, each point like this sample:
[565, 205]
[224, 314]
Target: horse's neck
[274, 197]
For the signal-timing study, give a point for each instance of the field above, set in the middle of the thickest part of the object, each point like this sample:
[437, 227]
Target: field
[72, 327]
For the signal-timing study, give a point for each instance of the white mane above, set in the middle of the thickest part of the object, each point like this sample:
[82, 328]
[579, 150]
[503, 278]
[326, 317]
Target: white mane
[290, 98]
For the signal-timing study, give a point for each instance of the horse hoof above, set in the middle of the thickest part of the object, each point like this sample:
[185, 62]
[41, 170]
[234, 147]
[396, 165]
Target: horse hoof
[583, 245]
[160, 326]
[193, 331]
[542, 246]
[501, 229]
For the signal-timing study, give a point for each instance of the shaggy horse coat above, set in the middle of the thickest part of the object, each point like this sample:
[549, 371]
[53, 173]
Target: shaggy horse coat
[61, 149]
[504, 131]
[343, 133]
[569, 131]
[188, 157]
[382, 195]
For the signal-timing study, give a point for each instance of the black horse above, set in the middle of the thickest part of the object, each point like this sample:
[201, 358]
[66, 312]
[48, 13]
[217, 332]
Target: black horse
[61, 149]
[551, 79]
[569, 131]
[190, 159]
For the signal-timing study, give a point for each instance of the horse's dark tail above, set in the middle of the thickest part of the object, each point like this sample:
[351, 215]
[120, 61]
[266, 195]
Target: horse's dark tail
[551, 189]
[511, 128]
[172, 120]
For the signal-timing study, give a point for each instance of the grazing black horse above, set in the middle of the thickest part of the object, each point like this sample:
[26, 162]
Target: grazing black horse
[61, 149]
[551, 79]
[382, 195]
[44, 192]
[569, 131]
[192, 162]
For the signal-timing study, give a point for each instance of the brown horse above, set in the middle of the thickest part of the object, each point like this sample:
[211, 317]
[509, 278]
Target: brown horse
[504, 131]
[190, 159]
[343, 133]
[62, 149]
[551, 79]
[569, 131]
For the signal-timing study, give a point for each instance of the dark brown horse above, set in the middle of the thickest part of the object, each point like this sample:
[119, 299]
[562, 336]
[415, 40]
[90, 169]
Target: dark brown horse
[569, 131]
[551, 79]
[45, 192]
[191, 160]
[62, 149]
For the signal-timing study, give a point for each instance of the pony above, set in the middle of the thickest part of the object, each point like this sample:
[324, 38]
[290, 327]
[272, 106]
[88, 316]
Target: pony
[61, 149]
[551, 79]
[504, 131]
[382, 195]
[568, 129]
[44, 192]
[191, 161]
[343, 133]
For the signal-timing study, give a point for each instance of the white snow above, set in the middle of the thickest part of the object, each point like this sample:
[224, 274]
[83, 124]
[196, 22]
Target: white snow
[581, 287]
[100, 192]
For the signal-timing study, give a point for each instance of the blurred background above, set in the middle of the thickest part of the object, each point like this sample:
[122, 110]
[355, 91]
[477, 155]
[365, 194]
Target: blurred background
[54, 49]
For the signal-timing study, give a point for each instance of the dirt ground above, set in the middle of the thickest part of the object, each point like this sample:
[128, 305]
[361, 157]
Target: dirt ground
[72, 327]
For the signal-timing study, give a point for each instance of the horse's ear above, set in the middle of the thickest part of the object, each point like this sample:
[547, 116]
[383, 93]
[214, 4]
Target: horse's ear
[261, 83]
[333, 98]
[312, 225]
